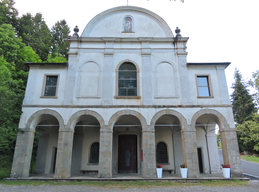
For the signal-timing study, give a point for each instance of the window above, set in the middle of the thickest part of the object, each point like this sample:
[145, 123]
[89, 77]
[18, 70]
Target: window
[51, 85]
[203, 86]
[161, 153]
[94, 153]
[127, 85]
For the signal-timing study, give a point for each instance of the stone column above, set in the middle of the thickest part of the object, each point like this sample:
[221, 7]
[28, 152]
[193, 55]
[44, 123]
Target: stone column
[105, 154]
[213, 151]
[190, 156]
[64, 154]
[149, 153]
[22, 154]
[146, 71]
[230, 151]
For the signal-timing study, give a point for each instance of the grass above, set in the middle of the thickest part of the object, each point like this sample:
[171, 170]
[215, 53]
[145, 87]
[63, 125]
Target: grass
[4, 172]
[250, 158]
[129, 184]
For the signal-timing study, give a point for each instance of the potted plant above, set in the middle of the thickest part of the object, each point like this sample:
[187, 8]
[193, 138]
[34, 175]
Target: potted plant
[159, 169]
[226, 170]
[183, 170]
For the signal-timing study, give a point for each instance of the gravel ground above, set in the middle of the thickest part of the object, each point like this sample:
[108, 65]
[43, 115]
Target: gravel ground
[252, 187]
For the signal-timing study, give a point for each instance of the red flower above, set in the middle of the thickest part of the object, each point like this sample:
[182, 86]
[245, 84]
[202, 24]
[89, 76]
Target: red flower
[225, 166]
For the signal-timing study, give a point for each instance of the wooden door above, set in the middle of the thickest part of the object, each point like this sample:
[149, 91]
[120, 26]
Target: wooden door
[127, 154]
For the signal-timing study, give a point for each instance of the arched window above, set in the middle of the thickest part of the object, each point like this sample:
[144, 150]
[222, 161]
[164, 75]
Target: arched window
[161, 153]
[94, 154]
[127, 85]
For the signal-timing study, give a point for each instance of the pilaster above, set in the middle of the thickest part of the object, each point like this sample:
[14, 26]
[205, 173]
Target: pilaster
[108, 73]
[223, 86]
[146, 71]
[71, 73]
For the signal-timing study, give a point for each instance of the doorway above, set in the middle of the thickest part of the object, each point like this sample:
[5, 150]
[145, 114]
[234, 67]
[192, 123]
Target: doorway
[54, 159]
[199, 151]
[127, 154]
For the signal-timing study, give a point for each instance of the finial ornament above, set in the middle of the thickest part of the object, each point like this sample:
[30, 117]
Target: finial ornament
[76, 31]
[177, 31]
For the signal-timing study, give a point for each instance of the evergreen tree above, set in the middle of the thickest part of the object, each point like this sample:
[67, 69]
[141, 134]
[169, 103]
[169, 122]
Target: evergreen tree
[35, 33]
[59, 44]
[242, 101]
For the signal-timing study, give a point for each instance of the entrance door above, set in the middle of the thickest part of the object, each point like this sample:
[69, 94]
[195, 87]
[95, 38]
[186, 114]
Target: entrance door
[127, 154]
[200, 160]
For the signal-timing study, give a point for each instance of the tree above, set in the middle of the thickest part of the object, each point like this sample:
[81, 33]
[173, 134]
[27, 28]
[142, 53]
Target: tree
[59, 44]
[242, 101]
[35, 33]
[10, 46]
[248, 133]
[8, 14]
[13, 53]
[254, 83]
[56, 59]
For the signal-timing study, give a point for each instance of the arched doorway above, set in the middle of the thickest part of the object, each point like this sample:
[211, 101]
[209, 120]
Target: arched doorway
[45, 145]
[168, 143]
[85, 151]
[207, 150]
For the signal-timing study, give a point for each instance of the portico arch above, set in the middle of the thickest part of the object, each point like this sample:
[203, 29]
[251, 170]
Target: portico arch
[207, 119]
[181, 118]
[84, 126]
[49, 123]
[74, 118]
[34, 119]
[138, 115]
[183, 139]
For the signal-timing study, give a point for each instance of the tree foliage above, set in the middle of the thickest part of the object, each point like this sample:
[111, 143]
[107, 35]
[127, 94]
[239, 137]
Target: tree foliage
[59, 44]
[12, 85]
[35, 33]
[248, 133]
[254, 83]
[56, 59]
[8, 14]
[242, 101]
[10, 46]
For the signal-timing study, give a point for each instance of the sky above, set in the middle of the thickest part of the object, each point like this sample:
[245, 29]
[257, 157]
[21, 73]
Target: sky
[218, 30]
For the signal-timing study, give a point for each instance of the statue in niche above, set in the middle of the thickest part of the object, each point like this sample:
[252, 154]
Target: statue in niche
[128, 24]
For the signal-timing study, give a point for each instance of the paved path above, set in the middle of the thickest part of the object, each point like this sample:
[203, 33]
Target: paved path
[248, 167]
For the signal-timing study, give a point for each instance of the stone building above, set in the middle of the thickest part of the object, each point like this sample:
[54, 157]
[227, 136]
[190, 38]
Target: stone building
[126, 100]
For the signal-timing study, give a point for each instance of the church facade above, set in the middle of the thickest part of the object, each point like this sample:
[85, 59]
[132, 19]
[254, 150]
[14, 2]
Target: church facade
[126, 101]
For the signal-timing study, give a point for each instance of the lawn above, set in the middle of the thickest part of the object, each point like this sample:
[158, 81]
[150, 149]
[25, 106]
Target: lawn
[250, 158]
[130, 184]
